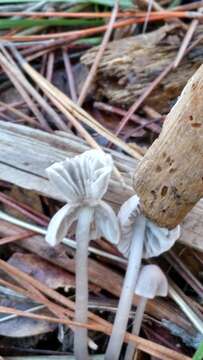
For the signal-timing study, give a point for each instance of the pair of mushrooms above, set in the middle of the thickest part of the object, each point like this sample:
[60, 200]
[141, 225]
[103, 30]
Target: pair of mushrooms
[82, 181]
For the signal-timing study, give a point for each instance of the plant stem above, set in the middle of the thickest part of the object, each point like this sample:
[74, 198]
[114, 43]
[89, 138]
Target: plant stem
[136, 327]
[81, 306]
[120, 323]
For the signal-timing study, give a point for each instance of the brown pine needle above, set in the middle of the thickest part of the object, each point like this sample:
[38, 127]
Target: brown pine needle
[11, 65]
[146, 346]
[74, 113]
[21, 114]
[141, 99]
[24, 209]
[78, 112]
[50, 66]
[12, 238]
[69, 74]
[99, 54]
[42, 288]
[74, 35]
[188, 36]
[13, 78]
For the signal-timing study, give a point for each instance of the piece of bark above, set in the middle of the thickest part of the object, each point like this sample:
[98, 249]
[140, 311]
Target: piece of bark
[20, 164]
[129, 65]
[169, 179]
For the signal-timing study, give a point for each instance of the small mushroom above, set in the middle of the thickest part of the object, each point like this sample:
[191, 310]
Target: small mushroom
[83, 181]
[151, 283]
[140, 238]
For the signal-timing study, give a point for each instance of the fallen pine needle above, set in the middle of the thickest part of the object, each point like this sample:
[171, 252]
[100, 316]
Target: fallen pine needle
[146, 346]
[99, 54]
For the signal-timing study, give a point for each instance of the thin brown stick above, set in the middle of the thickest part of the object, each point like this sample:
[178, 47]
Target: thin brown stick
[20, 236]
[99, 54]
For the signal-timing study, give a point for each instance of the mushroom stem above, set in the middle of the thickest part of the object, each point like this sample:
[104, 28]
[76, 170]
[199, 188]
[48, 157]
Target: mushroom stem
[124, 306]
[81, 306]
[136, 326]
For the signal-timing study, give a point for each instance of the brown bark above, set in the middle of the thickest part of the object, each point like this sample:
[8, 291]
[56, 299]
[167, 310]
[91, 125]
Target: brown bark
[169, 179]
[129, 65]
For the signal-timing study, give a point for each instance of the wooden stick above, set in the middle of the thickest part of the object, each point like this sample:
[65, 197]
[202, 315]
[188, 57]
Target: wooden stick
[169, 179]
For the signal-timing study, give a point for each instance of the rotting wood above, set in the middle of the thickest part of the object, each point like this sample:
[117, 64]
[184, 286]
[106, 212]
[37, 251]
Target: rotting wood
[169, 179]
[129, 65]
[25, 153]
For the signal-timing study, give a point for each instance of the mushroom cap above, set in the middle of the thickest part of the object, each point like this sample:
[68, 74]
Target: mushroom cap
[157, 239]
[82, 178]
[82, 181]
[151, 282]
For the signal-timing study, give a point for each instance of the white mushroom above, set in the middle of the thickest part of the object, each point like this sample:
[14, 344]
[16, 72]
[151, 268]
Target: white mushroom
[140, 238]
[83, 181]
[151, 283]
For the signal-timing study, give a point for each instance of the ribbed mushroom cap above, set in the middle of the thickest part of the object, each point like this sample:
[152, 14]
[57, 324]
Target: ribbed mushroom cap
[83, 181]
[151, 282]
[157, 239]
